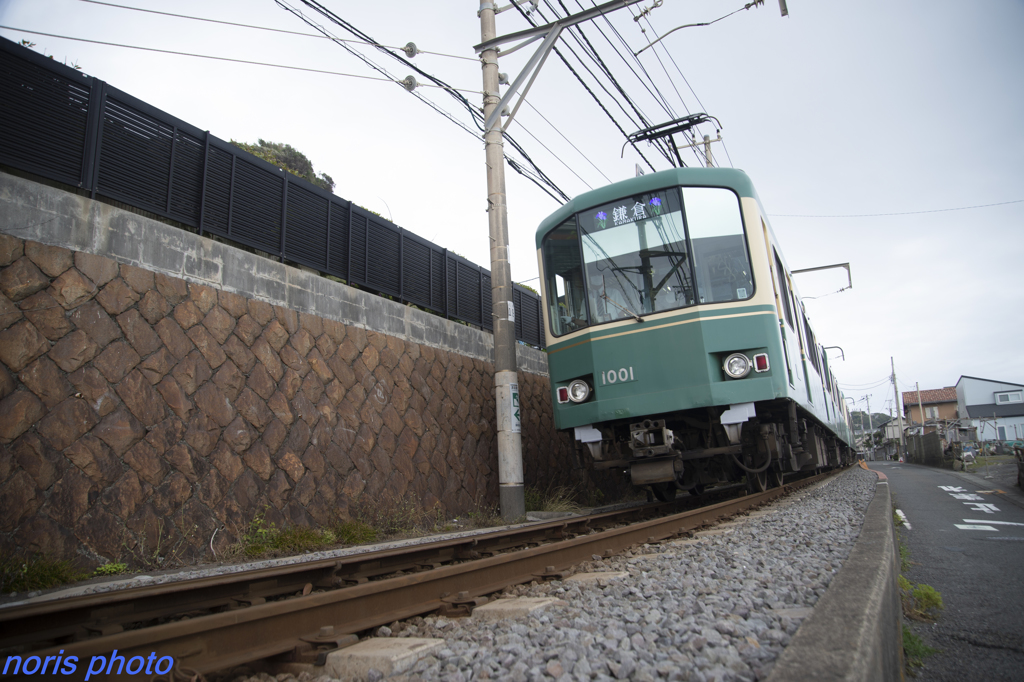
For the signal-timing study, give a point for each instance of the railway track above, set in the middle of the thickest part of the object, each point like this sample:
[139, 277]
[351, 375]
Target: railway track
[300, 612]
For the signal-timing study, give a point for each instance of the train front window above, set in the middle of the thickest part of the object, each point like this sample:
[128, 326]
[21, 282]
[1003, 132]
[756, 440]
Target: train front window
[645, 254]
[636, 256]
[719, 248]
[567, 301]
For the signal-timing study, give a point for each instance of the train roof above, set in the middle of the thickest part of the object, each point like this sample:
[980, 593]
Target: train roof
[732, 178]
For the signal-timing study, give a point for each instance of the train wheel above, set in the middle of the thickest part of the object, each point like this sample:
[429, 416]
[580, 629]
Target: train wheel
[774, 477]
[697, 490]
[665, 492]
[757, 483]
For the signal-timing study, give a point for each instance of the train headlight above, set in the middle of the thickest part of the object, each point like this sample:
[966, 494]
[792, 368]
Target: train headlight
[579, 391]
[737, 366]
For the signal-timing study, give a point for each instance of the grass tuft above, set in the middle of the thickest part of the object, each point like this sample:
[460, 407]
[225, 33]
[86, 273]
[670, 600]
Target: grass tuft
[262, 539]
[553, 499]
[354, 533]
[36, 573]
[915, 650]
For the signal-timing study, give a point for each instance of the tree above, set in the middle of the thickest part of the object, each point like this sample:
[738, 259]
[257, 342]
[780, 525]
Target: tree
[29, 44]
[287, 157]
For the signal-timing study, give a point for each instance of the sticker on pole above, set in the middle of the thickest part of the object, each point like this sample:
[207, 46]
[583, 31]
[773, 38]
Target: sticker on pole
[511, 311]
[517, 423]
[509, 412]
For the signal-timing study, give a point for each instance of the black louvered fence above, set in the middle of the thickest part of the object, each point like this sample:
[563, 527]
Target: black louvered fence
[63, 125]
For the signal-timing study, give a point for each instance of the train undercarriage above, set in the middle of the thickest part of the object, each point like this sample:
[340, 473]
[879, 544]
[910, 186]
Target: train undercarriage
[694, 450]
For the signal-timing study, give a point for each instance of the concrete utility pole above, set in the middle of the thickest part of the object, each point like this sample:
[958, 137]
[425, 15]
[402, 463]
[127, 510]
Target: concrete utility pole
[899, 409]
[871, 428]
[917, 385]
[506, 378]
[709, 160]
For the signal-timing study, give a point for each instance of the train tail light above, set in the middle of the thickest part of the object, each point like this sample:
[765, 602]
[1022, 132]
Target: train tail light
[761, 362]
[563, 394]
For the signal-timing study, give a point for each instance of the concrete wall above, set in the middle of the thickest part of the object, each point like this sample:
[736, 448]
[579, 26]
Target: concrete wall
[156, 386]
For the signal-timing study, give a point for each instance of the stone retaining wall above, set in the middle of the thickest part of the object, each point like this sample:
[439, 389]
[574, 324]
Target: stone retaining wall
[140, 412]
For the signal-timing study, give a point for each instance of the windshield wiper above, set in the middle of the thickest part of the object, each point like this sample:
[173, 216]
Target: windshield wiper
[627, 310]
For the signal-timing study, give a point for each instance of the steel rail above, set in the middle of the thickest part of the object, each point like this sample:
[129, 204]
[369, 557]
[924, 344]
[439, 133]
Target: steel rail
[78, 617]
[223, 640]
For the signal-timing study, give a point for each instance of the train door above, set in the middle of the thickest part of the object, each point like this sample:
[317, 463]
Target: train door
[783, 293]
[801, 336]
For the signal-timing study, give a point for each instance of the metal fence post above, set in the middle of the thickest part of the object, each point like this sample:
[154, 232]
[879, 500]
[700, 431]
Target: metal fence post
[202, 187]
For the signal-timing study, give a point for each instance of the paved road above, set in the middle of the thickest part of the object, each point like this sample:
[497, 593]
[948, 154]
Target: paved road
[966, 539]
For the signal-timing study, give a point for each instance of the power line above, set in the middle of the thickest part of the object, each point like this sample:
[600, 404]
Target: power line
[558, 158]
[220, 59]
[876, 215]
[262, 28]
[570, 144]
[537, 176]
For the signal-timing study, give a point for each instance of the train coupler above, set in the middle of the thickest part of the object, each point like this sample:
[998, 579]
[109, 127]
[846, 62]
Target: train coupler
[650, 438]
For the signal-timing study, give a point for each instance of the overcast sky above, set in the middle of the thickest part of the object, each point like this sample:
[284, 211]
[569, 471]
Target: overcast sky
[840, 109]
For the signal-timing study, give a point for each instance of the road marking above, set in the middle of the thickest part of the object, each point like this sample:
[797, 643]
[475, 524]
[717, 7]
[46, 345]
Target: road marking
[995, 523]
[973, 527]
[989, 492]
[967, 496]
[952, 488]
[982, 507]
[899, 513]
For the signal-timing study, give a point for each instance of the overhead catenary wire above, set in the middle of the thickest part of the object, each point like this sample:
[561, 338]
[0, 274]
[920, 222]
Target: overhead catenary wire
[588, 48]
[591, 93]
[655, 93]
[647, 19]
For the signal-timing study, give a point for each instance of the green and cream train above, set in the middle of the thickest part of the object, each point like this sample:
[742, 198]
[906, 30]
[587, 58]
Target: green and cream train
[677, 346]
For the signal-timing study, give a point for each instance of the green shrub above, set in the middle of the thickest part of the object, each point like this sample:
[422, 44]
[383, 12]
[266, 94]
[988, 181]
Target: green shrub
[920, 602]
[110, 569]
[928, 598]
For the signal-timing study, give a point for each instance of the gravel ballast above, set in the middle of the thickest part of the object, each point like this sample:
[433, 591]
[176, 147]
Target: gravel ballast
[720, 606]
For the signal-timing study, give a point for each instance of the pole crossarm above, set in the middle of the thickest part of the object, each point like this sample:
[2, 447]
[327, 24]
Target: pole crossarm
[550, 33]
[571, 20]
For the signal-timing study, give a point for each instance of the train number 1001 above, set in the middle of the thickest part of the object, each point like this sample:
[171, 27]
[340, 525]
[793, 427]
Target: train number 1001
[617, 376]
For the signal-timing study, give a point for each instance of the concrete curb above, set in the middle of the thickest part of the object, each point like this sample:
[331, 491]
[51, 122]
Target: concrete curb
[855, 632]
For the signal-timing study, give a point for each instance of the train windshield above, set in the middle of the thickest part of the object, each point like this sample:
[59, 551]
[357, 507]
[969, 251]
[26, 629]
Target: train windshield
[646, 254]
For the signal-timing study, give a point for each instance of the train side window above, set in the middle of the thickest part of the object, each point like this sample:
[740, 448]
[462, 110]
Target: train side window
[784, 290]
[563, 269]
[720, 256]
[811, 345]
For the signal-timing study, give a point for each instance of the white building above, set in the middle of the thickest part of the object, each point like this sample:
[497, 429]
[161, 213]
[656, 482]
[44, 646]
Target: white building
[995, 408]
